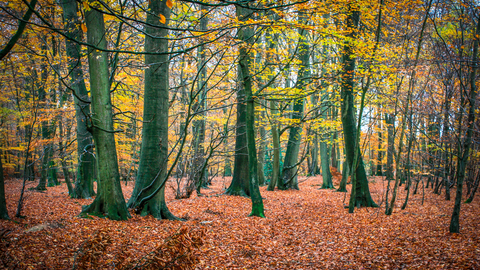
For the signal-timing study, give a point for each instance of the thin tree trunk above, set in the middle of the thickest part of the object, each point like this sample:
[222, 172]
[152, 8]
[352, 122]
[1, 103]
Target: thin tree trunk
[261, 152]
[325, 149]
[198, 127]
[276, 148]
[86, 162]
[3, 202]
[474, 189]
[345, 174]
[390, 121]
[379, 171]
[462, 159]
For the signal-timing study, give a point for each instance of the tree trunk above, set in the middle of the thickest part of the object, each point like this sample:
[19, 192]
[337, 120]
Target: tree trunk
[109, 201]
[148, 197]
[360, 190]
[228, 167]
[474, 189]
[379, 171]
[324, 148]
[345, 174]
[276, 148]
[290, 167]
[197, 178]
[239, 185]
[390, 121]
[261, 153]
[86, 162]
[3, 202]
[271, 39]
[63, 155]
[45, 125]
[245, 34]
[462, 159]
[313, 168]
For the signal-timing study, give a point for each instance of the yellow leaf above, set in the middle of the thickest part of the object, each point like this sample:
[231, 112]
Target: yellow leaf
[84, 27]
[169, 4]
[85, 5]
[162, 19]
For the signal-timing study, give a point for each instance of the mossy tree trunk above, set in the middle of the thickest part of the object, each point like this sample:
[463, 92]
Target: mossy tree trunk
[86, 162]
[148, 197]
[239, 185]
[272, 39]
[290, 164]
[465, 148]
[109, 202]
[245, 34]
[360, 190]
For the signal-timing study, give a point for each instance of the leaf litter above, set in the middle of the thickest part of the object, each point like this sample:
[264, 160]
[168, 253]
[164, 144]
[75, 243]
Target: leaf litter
[303, 229]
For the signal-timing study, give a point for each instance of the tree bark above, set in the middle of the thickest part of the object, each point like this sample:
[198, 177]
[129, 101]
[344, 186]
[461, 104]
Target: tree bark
[379, 171]
[360, 191]
[3, 202]
[325, 149]
[86, 162]
[239, 185]
[109, 201]
[261, 153]
[462, 159]
[148, 197]
[290, 167]
[197, 178]
[21, 27]
[390, 121]
[245, 34]
[276, 148]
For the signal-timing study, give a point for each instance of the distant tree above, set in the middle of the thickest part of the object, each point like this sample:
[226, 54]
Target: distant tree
[3, 202]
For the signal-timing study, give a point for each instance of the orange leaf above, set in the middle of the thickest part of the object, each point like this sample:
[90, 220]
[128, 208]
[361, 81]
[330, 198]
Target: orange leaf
[84, 27]
[162, 19]
[169, 4]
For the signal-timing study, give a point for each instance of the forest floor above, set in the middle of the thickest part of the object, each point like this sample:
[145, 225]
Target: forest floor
[303, 229]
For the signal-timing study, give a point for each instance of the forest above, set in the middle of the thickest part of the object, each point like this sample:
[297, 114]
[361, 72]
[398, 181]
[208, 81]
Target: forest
[243, 134]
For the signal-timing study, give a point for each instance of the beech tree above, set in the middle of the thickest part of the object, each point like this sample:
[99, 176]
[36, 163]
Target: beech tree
[246, 34]
[3, 203]
[148, 197]
[85, 168]
[289, 178]
[109, 201]
[360, 195]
